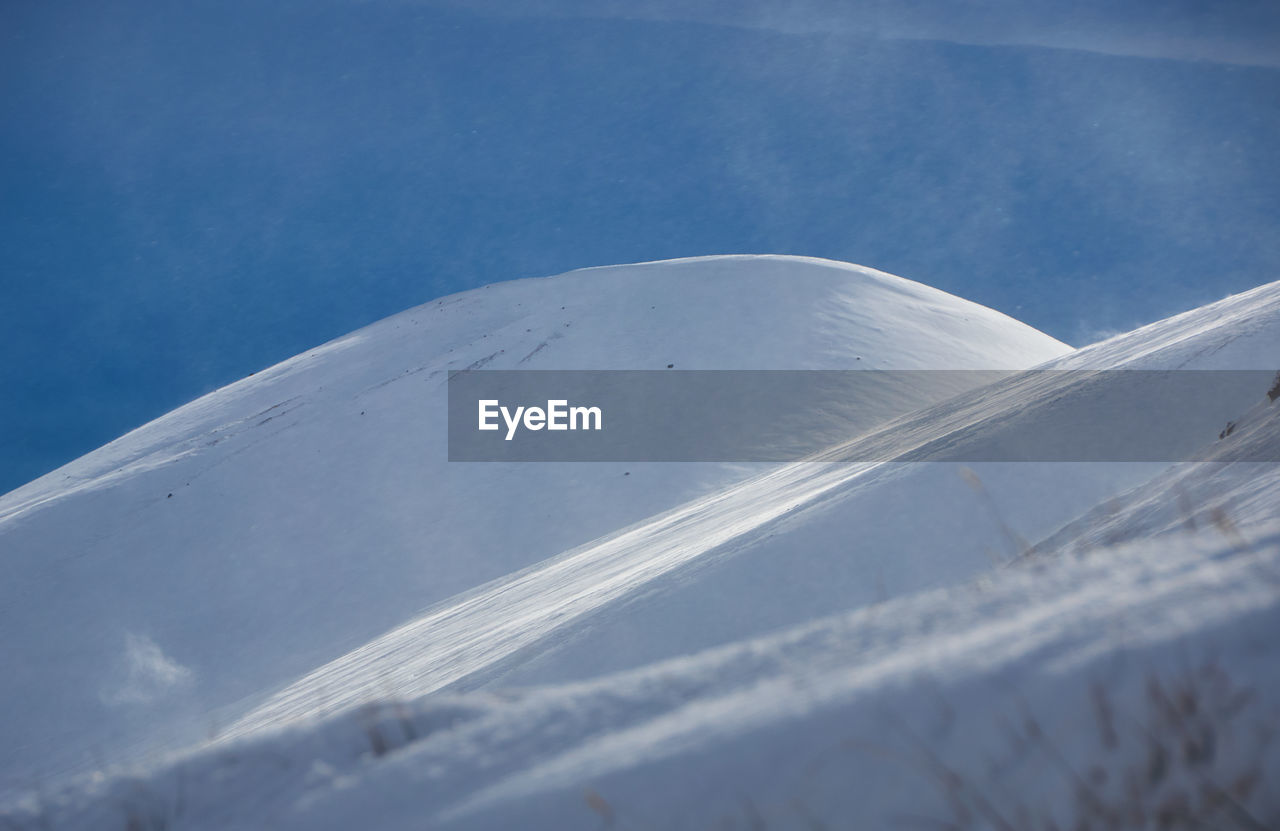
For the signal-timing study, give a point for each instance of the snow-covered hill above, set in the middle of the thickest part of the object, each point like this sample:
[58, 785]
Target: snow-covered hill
[163, 582]
[645, 645]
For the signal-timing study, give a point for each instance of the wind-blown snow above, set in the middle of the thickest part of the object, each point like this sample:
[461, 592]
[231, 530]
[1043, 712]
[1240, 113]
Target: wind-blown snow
[1011, 685]
[278, 523]
[561, 646]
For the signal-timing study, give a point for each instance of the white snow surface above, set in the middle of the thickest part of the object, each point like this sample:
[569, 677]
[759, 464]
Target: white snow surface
[287, 578]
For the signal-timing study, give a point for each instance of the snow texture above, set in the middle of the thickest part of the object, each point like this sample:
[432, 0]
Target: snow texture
[279, 606]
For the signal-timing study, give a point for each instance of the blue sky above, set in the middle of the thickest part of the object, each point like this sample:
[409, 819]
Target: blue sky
[189, 193]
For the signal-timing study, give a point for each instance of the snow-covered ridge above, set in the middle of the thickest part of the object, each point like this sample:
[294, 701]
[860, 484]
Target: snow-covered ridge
[553, 645]
[728, 312]
[250, 536]
[480, 633]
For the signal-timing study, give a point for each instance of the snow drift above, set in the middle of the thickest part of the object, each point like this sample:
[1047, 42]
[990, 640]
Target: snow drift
[166, 580]
[552, 646]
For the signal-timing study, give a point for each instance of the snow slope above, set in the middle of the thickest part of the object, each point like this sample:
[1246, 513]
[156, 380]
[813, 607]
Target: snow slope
[821, 539]
[790, 646]
[1113, 685]
[159, 587]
